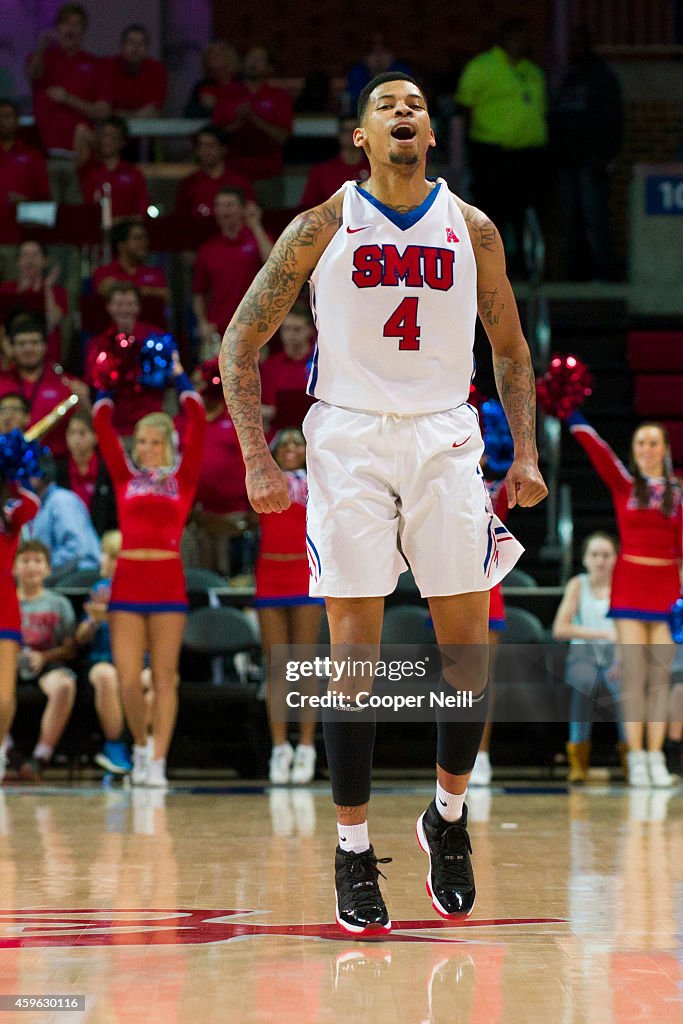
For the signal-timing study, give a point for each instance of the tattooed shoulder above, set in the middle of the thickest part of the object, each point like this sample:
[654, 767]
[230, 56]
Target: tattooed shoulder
[482, 230]
[295, 254]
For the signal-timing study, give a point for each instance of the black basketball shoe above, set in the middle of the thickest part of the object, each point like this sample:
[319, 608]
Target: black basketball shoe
[360, 908]
[450, 881]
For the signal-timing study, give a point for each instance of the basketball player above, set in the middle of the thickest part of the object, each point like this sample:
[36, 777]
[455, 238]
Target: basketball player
[397, 269]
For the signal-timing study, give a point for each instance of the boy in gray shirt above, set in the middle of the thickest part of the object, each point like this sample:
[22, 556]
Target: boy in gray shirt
[48, 624]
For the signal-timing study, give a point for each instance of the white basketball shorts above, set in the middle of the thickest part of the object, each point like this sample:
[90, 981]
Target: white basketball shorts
[386, 490]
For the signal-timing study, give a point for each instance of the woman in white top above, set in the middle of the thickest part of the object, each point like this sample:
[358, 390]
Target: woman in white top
[582, 619]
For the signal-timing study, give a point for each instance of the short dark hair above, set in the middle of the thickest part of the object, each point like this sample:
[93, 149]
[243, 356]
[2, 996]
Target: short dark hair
[303, 310]
[34, 545]
[121, 231]
[5, 101]
[213, 130]
[232, 190]
[599, 535]
[114, 121]
[26, 323]
[121, 286]
[135, 27]
[67, 10]
[386, 76]
[17, 396]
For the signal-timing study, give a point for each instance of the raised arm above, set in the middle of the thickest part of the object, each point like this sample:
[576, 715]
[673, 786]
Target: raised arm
[262, 310]
[110, 445]
[609, 468]
[511, 357]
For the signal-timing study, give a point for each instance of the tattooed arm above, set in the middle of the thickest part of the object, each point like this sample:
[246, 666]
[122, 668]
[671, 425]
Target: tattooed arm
[511, 357]
[270, 297]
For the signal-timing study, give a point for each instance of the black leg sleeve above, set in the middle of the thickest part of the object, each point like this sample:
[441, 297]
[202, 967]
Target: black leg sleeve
[349, 744]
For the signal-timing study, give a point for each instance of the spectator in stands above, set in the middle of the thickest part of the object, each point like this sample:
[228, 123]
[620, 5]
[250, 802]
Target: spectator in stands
[328, 177]
[63, 524]
[41, 382]
[130, 243]
[139, 83]
[288, 370]
[378, 59]
[37, 286]
[93, 633]
[48, 624]
[221, 65]
[83, 471]
[23, 175]
[221, 511]
[98, 155]
[503, 96]
[123, 306]
[586, 133]
[15, 412]
[591, 663]
[226, 265]
[257, 117]
[196, 193]
[70, 87]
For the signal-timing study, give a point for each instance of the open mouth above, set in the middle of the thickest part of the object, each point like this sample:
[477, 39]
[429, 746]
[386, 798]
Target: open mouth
[404, 132]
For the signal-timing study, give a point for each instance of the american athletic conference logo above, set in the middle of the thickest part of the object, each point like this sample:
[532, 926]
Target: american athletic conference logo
[38, 929]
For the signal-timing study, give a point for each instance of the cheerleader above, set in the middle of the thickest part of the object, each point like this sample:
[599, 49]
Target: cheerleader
[287, 615]
[645, 584]
[17, 507]
[148, 605]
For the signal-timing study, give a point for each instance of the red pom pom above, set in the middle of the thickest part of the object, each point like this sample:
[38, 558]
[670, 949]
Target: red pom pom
[564, 387]
[116, 366]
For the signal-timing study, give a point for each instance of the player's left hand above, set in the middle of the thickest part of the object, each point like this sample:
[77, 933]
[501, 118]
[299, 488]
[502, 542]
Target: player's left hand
[524, 484]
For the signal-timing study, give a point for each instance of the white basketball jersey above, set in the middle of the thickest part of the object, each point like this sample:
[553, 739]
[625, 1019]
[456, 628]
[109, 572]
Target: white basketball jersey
[394, 298]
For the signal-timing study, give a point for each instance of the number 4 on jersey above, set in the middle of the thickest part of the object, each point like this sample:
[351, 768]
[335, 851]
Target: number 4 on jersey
[403, 324]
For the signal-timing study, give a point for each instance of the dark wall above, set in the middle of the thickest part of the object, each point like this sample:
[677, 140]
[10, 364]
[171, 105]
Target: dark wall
[331, 35]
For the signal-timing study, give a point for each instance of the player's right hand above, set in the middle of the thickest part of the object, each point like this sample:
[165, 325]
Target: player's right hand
[267, 487]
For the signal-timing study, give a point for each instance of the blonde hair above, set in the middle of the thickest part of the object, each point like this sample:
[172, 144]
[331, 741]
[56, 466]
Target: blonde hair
[110, 543]
[162, 422]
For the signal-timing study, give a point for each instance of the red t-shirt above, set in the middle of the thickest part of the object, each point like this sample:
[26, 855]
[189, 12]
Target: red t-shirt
[251, 151]
[197, 192]
[42, 395]
[22, 170]
[130, 406]
[221, 487]
[54, 338]
[83, 484]
[280, 373]
[224, 270]
[328, 177]
[133, 88]
[143, 277]
[81, 74]
[129, 195]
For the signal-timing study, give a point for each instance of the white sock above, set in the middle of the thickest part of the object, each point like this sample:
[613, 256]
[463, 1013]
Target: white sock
[354, 838]
[43, 751]
[449, 805]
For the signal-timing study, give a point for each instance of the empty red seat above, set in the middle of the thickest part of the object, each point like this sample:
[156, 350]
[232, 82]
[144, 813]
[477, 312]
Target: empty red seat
[655, 351]
[659, 395]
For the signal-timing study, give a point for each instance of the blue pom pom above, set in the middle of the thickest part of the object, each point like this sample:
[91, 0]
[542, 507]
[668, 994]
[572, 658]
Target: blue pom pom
[498, 444]
[156, 360]
[19, 458]
[677, 621]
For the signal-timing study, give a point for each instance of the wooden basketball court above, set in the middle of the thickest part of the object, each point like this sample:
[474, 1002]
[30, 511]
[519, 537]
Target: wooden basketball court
[216, 905]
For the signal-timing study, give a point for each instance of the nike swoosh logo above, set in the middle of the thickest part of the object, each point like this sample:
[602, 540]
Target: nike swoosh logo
[352, 231]
[459, 445]
[444, 803]
[342, 839]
